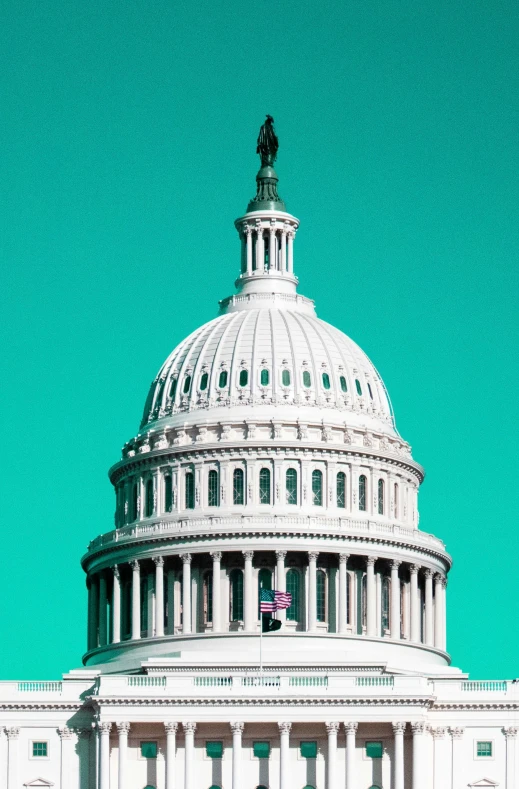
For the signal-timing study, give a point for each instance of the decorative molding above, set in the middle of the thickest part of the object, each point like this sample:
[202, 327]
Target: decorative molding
[343, 558]
[332, 727]
[284, 727]
[159, 561]
[248, 555]
[65, 732]
[216, 556]
[438, 732]
[189, 727]
[237, 727]
[171, 727]
[510, 732]
[186, 558]
[105, 727]
[418, 727]
[456, 732]
[399, 727]
[12, 732]
[123, 727]
[351, 727]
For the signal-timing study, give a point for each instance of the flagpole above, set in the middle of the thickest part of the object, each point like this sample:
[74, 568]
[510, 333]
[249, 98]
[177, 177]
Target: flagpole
[261, 644]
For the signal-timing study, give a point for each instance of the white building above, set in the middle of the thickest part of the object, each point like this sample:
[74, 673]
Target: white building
[267, 457]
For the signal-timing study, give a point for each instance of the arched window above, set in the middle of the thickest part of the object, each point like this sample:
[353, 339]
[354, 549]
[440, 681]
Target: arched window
[285, 377]
[208, 597]
[168, 493]
[341, 489]
[222, 379]
[291, 486]
[381, 497]
[236, 583]
[135, 502]
[190, 490]
[244, 377]
[326, 381]
[264, 377]
[212, 489]
[385, 604]
[307, 379]
[293, 583]
[395, 503]
[344, 385]
[173, 388]
[317, 488]
[358, 387]
[320, 591]
[362, 493]
[370, 392]
[187, 384]
[238, 495]
[204, 380]
[149, 498]
[264, 486]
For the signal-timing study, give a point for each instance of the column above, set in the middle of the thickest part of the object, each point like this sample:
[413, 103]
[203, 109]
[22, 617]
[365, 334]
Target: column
[415, 608]
[438, 592]
[332, 728]
[444, 614]
[291, 235]
[511, 735]
[312, 591]
[248, 232]
[12, 733]
[284, 251]
[284, 755]
[171, 736]
[398, 768]
[67, 771]
[102, 610]
[260, 249]
[171, 601]
[351, 730]
[418, 730]
[93, 612]
[189, 753]
[441, 777]
[186, 593]
[272, 245]
[217, 592]
[457, 762]
[281, 581]
[123, 728]
[159, 595]
[116, 605]
[104, 754]
[395, 600]
[429, 610]
[343, 592]
[136, 600]
[237, 731]
[371, 597]
[248, 614]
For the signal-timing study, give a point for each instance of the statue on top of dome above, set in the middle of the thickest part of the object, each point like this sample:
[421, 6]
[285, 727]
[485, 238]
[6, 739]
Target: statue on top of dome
[267, 143]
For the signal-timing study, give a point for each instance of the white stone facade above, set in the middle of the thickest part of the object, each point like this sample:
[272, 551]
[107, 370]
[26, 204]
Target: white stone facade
[267, 457]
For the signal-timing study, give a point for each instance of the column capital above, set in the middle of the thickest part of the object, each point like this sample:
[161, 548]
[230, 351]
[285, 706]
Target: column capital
[510, 732]
[395, 564]
[216, 556]
[414, 569]
[284, 727]
[105, 727]
[439, 732]
[428, 572]
[399, 727]
[186, 558]
[65, 732]
[171, 727]
[12, 732]
[351, 727]
[343, 558]
[116, 571]
[313, 556]
[248, 555]
[418, 727]
[370, 560]
[281, 556]
[159, 561]
[456, 732]
[123, 727]
[189, 727]
[332, 727]
[237, 727]
[135, 565]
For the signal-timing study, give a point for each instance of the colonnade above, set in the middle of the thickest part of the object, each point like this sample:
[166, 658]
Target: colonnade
[279, 244]
[423, 601]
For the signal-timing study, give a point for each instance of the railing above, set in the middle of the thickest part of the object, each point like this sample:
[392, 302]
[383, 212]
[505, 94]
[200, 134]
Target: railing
[40, 687]
[374, 682]
[308, 682]
[213, 682]
[261, 682]
[147, 682]
[483, 685]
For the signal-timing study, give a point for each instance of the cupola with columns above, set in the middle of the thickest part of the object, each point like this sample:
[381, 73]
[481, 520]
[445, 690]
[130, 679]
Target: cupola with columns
[267, 457]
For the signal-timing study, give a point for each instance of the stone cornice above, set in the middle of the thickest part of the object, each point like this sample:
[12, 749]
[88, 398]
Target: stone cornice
[272, 701]
[41, 705]
[476, 705]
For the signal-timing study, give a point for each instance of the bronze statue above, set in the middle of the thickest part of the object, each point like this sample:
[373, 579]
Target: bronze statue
[267, 143]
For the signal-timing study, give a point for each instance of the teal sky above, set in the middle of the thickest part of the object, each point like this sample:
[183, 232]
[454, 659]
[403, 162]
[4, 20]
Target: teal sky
[127, 150]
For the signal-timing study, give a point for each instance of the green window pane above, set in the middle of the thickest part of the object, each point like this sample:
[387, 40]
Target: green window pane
[362, 493]
[236, 581]
[317, 488]
[374, 750]
[484, 748]
[293, 587]
[321, 595]
[204, 380]
[264, 377]
[358, 386]
[291, 486]
[381, 497]
[244, 377]
[187, 384]
[40, 749]
[308, 750]
[212, 489]
[190, 490]
[173, 388]
[222, 380]
[344, 385]
[341, 489]
[168, 494]
[307, 380]
[385, 605]
[144, 602]
[214, 749]
[264, 486]
[285, 377]
[238, 496]
[215, 786]
[261, 750]
[149, 750]
[326, 381]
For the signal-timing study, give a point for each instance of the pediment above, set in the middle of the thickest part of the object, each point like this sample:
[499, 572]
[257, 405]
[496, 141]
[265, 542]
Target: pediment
[484, 783]
[39, 782]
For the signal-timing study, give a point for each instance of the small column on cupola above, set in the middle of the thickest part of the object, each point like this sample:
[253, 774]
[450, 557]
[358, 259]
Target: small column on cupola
[267, 231]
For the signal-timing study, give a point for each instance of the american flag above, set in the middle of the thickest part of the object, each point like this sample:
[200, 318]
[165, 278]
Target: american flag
[272, 600]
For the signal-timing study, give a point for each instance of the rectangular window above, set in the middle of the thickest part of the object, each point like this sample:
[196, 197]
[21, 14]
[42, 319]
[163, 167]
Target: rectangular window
[214, 749]
[261, 750]
[308, 750]
[168, 494]
[374, 750]
[484, 749]
[148, 750]
[40, 750]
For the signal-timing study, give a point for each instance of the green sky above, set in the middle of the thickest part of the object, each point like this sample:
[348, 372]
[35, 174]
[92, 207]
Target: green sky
[127, 150]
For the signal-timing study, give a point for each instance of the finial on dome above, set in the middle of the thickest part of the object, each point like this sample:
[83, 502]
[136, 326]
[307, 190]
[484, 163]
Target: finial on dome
[267, 197]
